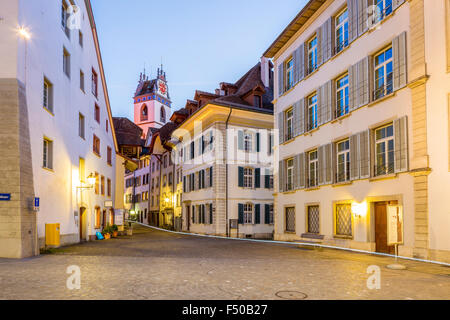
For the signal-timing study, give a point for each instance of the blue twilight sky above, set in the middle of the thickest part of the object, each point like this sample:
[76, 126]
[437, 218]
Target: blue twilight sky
[201, 42]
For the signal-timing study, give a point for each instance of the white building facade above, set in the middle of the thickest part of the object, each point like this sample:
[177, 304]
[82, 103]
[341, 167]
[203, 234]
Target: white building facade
[361, 103]
[58, 125]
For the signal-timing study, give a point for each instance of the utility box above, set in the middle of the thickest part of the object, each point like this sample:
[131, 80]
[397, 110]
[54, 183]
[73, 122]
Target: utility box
[52, 235]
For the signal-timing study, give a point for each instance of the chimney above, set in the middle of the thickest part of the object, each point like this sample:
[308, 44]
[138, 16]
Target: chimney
[265, 71]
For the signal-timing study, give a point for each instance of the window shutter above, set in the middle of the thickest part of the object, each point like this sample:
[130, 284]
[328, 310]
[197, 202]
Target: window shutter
[321, 163]
[211, 218]
[211, 177]
[354, 161]
[353, 87]
[258, 142]
[364, 154]
[399, 55]
[328, 162]
[301, 62]
[333, 163]
[327, 31]
[280, 79]
[352, 19]
[193, 214]
[257, 178]
[281, 127]
[363, 15]
[321, 102]
[267, 214]
[296, 59]
[241, 213]
[267, 179]
[203, 145]
[396, 4]
[240, 140]
[203, 179]
[296, 172]
[241, 177]
[319, 46]
[257, 214]
[281, 177]
[302, 171]
[401, 144]
[184, 184]
[364, 82]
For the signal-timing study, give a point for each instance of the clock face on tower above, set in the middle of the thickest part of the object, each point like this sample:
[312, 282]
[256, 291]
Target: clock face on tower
[162, 88]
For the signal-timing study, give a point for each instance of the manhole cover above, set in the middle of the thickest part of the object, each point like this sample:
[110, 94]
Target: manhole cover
[291, 295]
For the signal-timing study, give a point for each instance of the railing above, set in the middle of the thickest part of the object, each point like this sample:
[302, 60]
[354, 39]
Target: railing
[313, 183]
[378, 16]
[384, 90]
[381, 170]
[311, 69]
[342, 176]
[339, 112]
[340, 46]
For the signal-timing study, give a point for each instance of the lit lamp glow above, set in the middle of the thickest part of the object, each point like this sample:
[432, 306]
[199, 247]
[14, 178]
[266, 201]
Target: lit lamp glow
[23, 32]
[359, 209]
[91, 179]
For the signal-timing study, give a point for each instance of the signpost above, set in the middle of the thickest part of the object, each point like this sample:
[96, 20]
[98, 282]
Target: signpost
[108, 204]
[5, 196]
[395, 232]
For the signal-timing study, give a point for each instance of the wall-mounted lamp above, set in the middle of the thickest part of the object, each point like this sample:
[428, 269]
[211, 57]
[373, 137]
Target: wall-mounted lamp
[23, 32]
[91, 182]
[359, 209]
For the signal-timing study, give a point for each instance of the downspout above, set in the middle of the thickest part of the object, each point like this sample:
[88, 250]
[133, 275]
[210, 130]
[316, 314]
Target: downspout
[226, 178]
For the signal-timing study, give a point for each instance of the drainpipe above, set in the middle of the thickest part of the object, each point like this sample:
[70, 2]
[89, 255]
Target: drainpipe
[226, 178]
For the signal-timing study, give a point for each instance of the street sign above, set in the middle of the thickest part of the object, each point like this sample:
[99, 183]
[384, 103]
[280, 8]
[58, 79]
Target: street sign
[36, 204]
[108, 204]
[5, 196]
[395, 225]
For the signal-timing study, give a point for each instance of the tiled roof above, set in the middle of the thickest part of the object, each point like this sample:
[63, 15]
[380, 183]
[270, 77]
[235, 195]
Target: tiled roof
[127, 132]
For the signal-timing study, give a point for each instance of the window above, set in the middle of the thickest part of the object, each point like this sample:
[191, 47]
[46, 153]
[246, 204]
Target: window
[81, 126]
[81, 80]
[164, 180]
[343, 161]
[65, 17]
[109, 155]
[248, 141]
[103, 185]
[383, 73]
[290, 174]
[313, 219]
[384, 150]
[80, 38]
[312, 112]
[313, 169]
[97, 183]
[248, 178]
[289, 119]
[248, 213]
[109, 188]
[163, 115]
[66, 62]
[94, 83]
[96, 145]
[312, 55]
[341, 30]
[97, 218]
[47, 155]
[342, 96]
[289, 74]
[48, 95]
[257, 101]
[271, 216]
[97, 113]
[82, 169]
[290, 219]
[343, 220]
[170, 178]
[144, 113]
[383, 9]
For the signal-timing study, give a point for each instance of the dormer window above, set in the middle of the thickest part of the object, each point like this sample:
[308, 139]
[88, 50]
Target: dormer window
[257, 101]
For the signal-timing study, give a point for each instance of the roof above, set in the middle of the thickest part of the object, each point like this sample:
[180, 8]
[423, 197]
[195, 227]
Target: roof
[299, 21]
[127, 132]
[146, 87]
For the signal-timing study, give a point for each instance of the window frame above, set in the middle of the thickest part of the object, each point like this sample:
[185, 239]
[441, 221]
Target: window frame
[81, 126]
[47, 99]
[312, 54]
[290, 174]
[386, 151]
[387, 88]
[248, 175]
[66, 62]
[313, 166]
[344, 90]
[289, 73]
[346, 153]
[248, 213]
[312, 112]
[343, 25]
[47, 154]
[289, 123]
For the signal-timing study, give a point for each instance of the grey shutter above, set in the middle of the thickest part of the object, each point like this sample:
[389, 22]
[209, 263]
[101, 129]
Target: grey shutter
[301, 122]
[328, 108]
[280, 79]
[281, 127]
[399, 55]
[363, 16]
[364, 154]
[281, 177]
[321, 162]
[257, 214]
[328, 162]
[353, 87]
[302, 171]
[296, 56]
[401, 144]
[301, 62]
[364, 82]
[396, 4]
[296, 118]
[240, 140]
[354, 161]
[267, 214]
[321, 100]
[258, 142]
[333, 163]
[352, 6]
[320, 42]
[296, 172]
[327, 34]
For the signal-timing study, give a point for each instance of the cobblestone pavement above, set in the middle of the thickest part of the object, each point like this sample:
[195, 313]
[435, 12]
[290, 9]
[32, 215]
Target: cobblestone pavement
[158, 265]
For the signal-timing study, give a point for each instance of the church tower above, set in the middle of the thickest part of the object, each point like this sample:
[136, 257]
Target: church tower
[152, 105]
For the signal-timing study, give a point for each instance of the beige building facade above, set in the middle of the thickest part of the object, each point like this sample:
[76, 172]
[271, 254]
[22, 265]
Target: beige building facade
[362, 108]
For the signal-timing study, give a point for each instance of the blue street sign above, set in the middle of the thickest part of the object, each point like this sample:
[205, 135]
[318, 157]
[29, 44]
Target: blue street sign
[5, 196]
[36, 202]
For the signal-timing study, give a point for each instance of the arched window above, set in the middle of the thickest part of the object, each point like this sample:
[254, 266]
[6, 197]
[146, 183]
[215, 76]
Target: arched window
[163, 115]
[144, 113]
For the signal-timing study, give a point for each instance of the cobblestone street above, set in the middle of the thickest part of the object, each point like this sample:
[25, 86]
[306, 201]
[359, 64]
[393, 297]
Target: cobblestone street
[158, 265]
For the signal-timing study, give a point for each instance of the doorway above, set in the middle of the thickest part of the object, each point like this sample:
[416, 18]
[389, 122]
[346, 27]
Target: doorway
[82, 224]
[188, 218]
[104, 219]
[381, 239]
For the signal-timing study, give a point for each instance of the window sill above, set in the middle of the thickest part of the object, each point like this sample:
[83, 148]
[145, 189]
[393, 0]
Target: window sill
[312, 189]
[384, 177]
[48, 169]
[312, 236]
[342, 184]
[50, 112]
[289, 232]
[340, 118]
[97, 154]
[388, 96]
[336, 236]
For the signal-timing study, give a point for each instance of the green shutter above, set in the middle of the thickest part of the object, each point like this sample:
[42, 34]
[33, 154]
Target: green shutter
[257, 178]
[258, 147]
[240, 140]
[241, 213]
[267, 214]
[241, 177]
[267, 180]
[211, 214]
[257, 214]
[211, 177]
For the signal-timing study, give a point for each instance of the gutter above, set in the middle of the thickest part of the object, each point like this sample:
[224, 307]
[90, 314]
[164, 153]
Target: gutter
[226, 178]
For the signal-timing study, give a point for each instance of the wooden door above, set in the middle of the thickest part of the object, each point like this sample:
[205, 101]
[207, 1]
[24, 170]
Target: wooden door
[381, 229]
[80, 222]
